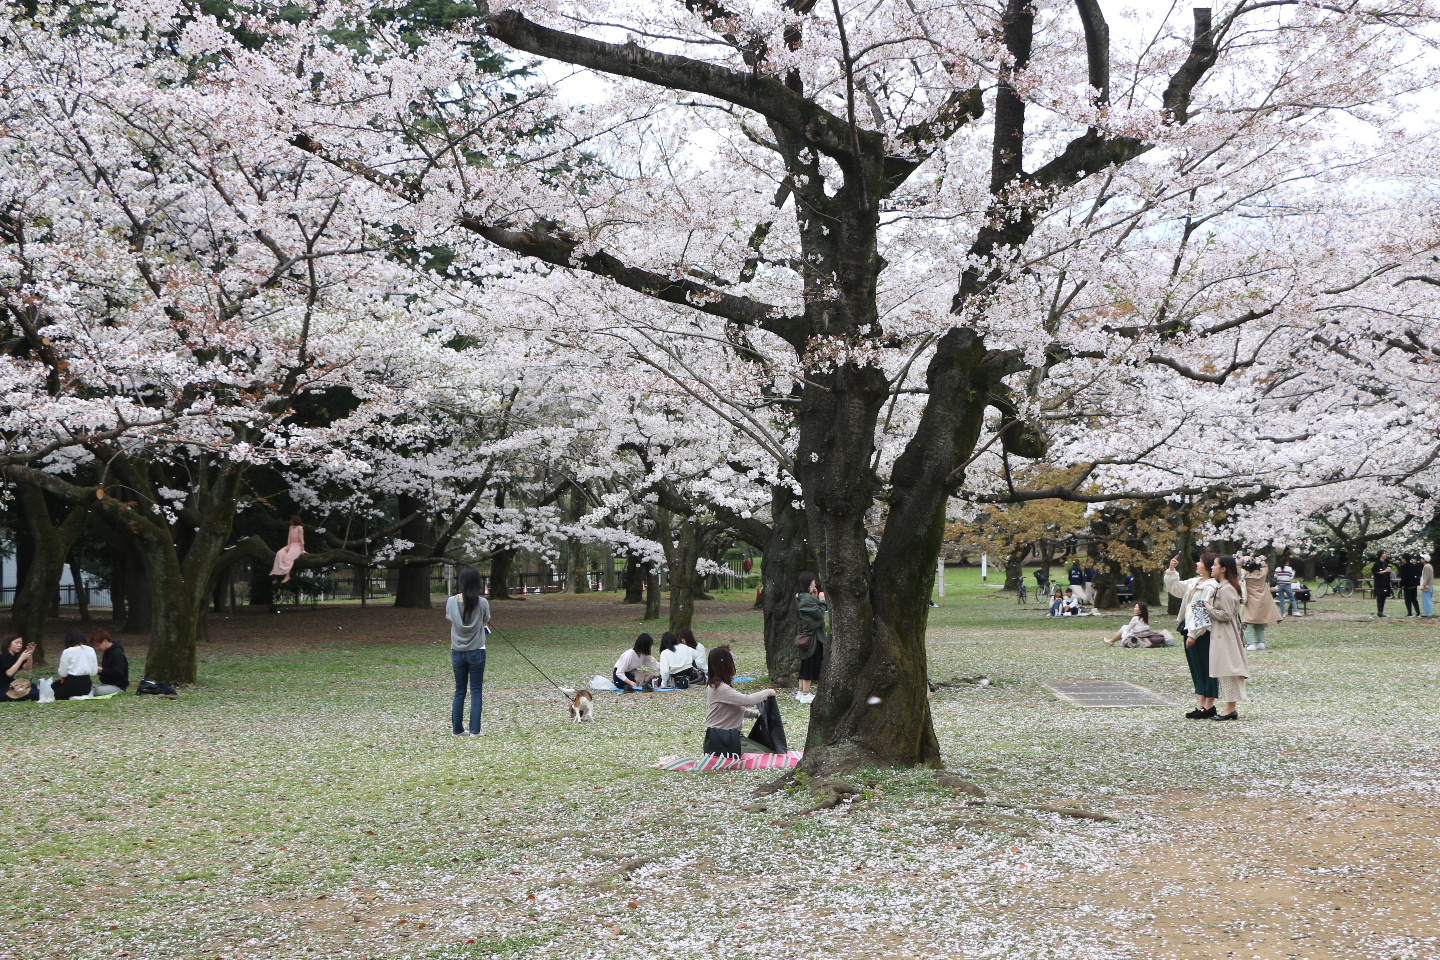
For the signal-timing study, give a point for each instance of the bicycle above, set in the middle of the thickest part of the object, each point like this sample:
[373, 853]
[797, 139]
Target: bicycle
[1340, 586]
[1020, 593]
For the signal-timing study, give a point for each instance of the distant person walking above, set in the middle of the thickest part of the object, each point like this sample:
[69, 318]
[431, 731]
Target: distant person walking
[1410, 584]
[1089, 574]
[286, 556]
[1427, 586]
[1384, 579]
[1260, 608]
[1285, 588]
[469, 617]
[1228, 665]
[1194, 625]
[811, 606]
[1076, 575]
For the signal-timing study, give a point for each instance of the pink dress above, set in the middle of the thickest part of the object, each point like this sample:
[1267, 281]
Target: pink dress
[286, 556]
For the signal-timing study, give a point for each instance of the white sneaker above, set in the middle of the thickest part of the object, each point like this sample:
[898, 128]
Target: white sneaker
[799, 696]
[1251, 646]
[807, 698]
[1259, 646]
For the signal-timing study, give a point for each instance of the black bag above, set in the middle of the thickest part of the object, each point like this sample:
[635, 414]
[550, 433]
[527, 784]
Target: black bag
[152, 688]
[722, 743]
[769, 730]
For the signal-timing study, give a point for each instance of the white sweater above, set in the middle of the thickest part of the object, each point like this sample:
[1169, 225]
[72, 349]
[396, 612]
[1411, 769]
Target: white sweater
[78, 662]
[675, 661]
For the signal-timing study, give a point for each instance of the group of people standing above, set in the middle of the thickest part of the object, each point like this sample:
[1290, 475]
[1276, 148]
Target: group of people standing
[1413, 576]
[1212, 617]
[89, 667]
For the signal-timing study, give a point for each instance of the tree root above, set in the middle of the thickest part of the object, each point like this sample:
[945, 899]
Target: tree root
[832, 793]
[958, 783]
[1048, 808]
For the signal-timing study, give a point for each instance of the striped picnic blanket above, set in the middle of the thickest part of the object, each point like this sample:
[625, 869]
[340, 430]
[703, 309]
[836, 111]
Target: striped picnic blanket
[747, 761]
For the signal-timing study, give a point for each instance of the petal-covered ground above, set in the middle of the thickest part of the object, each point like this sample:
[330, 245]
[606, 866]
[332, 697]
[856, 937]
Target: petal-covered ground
[307, 799]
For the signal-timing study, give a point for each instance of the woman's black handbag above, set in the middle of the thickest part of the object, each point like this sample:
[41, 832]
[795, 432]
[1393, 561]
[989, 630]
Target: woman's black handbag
[722, 743]
[769, 730]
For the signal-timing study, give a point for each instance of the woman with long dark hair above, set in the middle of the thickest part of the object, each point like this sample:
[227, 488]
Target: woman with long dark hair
[726, 708]
[1227, 638]
[811, 607]
[469, 616]
[1194, 595]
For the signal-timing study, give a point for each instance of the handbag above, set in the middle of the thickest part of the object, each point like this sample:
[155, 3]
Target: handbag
[1199, 615]
[804, 641]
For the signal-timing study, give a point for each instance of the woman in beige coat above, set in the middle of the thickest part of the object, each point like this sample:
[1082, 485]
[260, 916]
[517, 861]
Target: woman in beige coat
[1260, 608]
[1227, 647]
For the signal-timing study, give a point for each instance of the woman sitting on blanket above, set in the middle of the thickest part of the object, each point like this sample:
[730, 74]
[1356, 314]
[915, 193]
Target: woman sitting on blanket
[628, 675]
[677, 663]
[726, 709]
[697, 652]
[1141, 621]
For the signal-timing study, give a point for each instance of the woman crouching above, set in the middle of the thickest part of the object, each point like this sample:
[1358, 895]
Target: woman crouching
[726, 709]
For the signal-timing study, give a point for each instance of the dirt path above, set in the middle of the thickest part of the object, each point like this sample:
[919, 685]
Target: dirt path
[1336, 878]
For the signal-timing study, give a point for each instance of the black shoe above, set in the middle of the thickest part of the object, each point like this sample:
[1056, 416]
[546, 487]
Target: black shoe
[1198, 714]
[1226, 716]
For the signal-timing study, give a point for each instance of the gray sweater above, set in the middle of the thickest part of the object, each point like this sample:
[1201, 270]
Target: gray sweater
[467, 636]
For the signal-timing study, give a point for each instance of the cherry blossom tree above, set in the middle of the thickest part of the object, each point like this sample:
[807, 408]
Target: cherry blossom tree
[947, 234]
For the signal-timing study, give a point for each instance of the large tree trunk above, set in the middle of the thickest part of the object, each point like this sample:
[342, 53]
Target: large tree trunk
[577, 554]
[1015, 567]
[683, 556]
[500, 565]
[412, 583]
[652, 594]
[634, 577]
[787, 555]
[50, 542]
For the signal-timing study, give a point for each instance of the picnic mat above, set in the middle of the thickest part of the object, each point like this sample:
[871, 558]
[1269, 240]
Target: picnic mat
[601, 684]
[746, 761]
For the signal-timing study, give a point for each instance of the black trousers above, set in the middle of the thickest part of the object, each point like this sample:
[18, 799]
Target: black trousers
[1412, 601]
[1198, 659]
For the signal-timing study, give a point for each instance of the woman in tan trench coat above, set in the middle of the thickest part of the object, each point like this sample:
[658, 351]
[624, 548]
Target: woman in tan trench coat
[1260, 608]
[1227, 648]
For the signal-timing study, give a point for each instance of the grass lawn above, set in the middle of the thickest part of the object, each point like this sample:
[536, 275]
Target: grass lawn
[307, 799]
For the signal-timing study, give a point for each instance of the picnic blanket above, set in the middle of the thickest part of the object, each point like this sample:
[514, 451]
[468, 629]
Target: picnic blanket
[602, 684]
[746, 761]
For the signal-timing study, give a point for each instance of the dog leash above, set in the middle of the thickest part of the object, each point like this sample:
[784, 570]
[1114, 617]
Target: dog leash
[558, 689]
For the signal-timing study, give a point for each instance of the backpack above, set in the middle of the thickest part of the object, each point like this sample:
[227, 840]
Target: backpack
[152, 688]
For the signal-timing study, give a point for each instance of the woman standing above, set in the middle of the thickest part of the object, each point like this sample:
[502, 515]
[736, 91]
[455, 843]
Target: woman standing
[726, 709]
[1427, 586]
[1260, 608]
[811, 606]
[1194, 593]
[1227, 651]
[1410, 584]
[286, 556]
[469, 616]
[1384, 581]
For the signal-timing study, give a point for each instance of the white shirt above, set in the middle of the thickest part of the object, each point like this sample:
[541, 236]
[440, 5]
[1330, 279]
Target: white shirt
[630, 660]
[78, 662]
[1284, 574]
[701, 664]
[674, 661]
[1135, 624]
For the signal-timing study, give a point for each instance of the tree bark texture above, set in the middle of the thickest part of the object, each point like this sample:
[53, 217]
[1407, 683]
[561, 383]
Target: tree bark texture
[634, 577]
[51, 541]
[500, 566]
[787, 554]
[412, 584]
[652, 594]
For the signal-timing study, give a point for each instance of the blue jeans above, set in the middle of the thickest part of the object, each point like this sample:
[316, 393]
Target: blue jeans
[1286, 593]
[468, 664]
[1427, 598]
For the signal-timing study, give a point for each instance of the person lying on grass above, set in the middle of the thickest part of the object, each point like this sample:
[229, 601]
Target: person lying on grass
[726, 709]
[628, 676]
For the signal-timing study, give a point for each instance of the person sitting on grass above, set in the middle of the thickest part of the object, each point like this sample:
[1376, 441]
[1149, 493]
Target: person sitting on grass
[1066, 606]
[727, 708]
[114, 667]
[677, 663]
[628, 676]
[1141, 621]
[697, 652]
[77, 666]
[16, 655]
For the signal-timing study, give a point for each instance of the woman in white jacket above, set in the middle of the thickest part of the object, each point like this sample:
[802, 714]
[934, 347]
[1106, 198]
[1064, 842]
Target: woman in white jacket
[77, 666]
[1199, 589]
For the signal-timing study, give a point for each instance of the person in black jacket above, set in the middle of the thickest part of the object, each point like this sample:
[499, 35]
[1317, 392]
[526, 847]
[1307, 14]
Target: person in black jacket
[114, 667]
[1410, 584]
[1383, 573]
